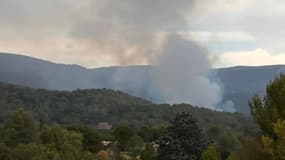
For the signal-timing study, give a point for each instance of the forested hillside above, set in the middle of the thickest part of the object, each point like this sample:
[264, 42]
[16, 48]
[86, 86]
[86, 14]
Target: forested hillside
[238, 83]
[102, 105]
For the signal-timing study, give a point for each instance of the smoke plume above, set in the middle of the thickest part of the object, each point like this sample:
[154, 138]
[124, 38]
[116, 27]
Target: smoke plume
[146, 32]
[182, 74]
[124, 33]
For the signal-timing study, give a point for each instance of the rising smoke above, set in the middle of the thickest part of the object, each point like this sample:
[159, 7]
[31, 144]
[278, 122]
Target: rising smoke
[129, 32]
[147, 32]
[182, 74]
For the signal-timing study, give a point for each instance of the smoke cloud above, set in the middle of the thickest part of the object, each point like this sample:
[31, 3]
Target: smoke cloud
[147, 31]
[125, 33]
[131, 30]
[182, 74]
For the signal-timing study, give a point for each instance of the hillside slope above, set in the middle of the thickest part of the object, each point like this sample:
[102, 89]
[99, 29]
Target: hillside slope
[103, 105]
[239, 83]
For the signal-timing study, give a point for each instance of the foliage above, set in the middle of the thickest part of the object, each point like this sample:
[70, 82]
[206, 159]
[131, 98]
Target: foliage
[30, 151]
[5, 152]
[184, 140]
[123, 134]
[143, 123]
[150, 134]
[89, 107]
[149, 153]
[252, 149]
[20, 128]
[269, 109]
[66, 143]
[276, 147]
[55, 142]
[135, 145]
[211, 154]
[226, 140]
[91, 138]
[269, 113]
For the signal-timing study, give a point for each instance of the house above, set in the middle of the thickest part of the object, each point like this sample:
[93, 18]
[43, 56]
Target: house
[104, 125]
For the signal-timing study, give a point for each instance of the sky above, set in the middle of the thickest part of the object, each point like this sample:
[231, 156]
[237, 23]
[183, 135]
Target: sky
[95, 33]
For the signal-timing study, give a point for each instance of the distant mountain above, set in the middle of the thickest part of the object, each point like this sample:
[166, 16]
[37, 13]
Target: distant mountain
[239, 83]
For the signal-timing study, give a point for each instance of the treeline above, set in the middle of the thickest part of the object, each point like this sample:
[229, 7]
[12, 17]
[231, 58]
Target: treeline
[60, 125]
[269, 114]
[24, 138]
[90, 107]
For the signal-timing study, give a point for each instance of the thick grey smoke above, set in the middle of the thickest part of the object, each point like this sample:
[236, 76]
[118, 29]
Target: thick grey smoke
[131, 30]
[127, 32]
[182, 74]
[147, 30]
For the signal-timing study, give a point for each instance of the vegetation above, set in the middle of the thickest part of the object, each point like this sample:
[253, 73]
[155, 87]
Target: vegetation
[60, 125]
[269, 113]
[183, 140]
[90, 107]
[211, 154]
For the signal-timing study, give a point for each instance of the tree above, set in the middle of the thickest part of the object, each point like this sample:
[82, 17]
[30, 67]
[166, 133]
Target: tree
[276, 147]
[91, 139]
[184, 140]
[150, 134]
[211, 154]
[63, 144]
[30, 151]
[135, 145]
[20, 128]
[270, 108]
[269, 113]
[252, 149]
[4, 152]
[225, 140]
[122, 134]
[148, 153]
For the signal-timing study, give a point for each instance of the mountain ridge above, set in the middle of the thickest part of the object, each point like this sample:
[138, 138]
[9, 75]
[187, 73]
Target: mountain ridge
[239, 83]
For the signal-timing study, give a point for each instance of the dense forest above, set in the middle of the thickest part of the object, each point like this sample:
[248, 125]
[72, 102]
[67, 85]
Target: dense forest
[22, 137]
[90, 107]
[135, 122]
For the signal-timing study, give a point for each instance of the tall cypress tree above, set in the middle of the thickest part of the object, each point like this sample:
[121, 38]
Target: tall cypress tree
[184, 140]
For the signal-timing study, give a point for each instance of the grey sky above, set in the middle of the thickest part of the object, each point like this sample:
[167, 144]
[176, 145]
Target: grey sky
[110, 32]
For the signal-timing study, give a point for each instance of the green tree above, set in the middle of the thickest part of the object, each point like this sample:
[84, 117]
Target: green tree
[252, 149]
[150, 134]
[211, 154]
[270, 108]
[20, 128]
[122, 134]
[63, 144]
[149, 153]
[4, 152]
[135, 145]
[91, 138]
[276, 147]
[269, 113]
[30, 151]
[184, 140]
[225, 139]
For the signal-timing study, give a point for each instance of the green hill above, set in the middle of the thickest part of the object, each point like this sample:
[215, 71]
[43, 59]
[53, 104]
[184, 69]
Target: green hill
[102, 105]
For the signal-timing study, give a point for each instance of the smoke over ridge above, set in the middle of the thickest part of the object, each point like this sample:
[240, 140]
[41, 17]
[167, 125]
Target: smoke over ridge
[147, 32]
[130, 32]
